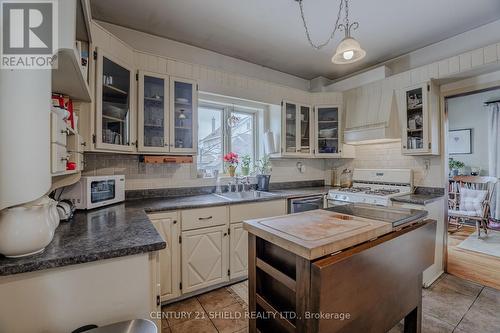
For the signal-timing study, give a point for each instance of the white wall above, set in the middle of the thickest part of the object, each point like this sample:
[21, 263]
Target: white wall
[468, 112]
[166, 47]
[469, 40]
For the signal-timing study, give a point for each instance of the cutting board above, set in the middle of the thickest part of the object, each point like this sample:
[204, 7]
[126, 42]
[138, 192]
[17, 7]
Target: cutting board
[317, 233]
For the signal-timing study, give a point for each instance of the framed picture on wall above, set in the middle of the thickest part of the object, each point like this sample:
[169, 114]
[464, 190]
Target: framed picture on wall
[460, 141]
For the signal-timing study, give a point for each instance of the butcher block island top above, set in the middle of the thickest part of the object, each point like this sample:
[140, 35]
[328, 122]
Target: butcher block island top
[316, 233]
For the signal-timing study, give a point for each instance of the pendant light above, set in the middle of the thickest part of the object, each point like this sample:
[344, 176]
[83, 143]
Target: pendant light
[349, 50]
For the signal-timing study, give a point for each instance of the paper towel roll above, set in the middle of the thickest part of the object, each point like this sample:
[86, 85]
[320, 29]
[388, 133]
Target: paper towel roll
[269, 142]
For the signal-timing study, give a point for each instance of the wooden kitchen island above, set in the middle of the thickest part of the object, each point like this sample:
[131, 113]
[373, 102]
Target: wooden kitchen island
[325, 271]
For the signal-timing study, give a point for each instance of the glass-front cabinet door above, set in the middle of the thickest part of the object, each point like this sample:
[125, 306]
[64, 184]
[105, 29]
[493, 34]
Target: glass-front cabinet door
[327, 130]
[153, 112]
[296, 125]
[183, 97]
[305, 129]
[290, 128]
[420, 127]
[114, 106]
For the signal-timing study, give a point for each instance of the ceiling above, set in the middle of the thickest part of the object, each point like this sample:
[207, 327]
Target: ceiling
[271, 34]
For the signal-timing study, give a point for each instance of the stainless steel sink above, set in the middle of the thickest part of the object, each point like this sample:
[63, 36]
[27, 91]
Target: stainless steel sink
[245, 195]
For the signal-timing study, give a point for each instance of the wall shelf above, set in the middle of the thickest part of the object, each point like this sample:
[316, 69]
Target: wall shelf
[68, 78]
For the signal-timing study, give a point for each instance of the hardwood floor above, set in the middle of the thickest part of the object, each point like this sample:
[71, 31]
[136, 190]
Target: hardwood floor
[469, 265]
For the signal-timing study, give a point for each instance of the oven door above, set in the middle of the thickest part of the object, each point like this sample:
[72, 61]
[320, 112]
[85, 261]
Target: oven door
[304, 204]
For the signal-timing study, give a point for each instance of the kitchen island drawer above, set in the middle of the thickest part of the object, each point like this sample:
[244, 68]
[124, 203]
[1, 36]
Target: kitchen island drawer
[203, 217]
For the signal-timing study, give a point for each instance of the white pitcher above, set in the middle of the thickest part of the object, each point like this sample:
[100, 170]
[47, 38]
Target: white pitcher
[26, 229]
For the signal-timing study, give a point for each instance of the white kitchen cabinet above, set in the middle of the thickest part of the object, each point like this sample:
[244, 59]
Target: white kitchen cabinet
[256, 210]
[327, 122]
[153, 115]
[183, 115]
[59, 158]
[169, 258]
[420, 119]
[436, 212]
[203, 217]
[204, 257]
[115, 104]
[238, 240]
[297, 128]
[238, 251]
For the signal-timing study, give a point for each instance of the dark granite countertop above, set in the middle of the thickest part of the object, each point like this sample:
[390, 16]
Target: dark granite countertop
[421, 196]
[121, 230]
[113, 231]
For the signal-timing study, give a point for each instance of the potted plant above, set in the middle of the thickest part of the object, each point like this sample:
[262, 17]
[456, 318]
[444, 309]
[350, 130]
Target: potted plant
[231, 160]
[263, 170]
[245, 165]
[455, 166]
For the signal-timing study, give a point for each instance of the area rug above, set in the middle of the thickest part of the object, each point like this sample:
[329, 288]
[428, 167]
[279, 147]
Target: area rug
[487, 244]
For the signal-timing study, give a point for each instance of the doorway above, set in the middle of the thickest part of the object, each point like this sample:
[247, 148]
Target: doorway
[468, 143]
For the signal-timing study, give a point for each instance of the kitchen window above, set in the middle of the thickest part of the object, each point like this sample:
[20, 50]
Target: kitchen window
[225, 128]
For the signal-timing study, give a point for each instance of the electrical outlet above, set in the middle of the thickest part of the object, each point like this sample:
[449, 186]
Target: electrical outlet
[427, 163]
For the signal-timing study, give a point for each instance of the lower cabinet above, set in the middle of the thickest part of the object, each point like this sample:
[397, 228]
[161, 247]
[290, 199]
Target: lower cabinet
[436, 211]
[238, 251]
[238, 240]
[204, 257]
[206, 246]
[169, 258]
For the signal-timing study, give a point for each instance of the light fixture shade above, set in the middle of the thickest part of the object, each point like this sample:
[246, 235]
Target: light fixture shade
[348, 51]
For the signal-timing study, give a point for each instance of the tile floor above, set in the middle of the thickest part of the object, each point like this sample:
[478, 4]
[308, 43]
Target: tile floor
[449, 305]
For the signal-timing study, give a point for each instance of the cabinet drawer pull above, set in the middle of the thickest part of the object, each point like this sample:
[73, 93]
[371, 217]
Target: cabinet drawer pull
[205, 218]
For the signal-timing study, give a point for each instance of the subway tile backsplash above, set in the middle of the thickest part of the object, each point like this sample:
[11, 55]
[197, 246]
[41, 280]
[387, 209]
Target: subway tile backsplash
[141, 176]
[388, 156]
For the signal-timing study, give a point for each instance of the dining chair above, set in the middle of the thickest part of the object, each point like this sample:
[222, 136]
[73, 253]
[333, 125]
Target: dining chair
[474, 200]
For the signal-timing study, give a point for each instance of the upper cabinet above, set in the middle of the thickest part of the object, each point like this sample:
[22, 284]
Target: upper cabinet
[297, 120]
[420, 120]
[167, 114]
[115, 102]
[327, 131]
[183, 115]
[154, 133]
[303, 131]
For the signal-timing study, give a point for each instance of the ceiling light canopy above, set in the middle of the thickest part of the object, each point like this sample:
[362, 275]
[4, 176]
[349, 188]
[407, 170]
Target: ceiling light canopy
[349, 50]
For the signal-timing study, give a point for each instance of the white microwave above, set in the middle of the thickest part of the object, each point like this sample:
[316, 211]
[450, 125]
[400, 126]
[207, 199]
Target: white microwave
[96, 191]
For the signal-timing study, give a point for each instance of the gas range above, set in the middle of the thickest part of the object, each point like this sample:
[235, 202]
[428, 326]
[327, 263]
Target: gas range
[373, 186]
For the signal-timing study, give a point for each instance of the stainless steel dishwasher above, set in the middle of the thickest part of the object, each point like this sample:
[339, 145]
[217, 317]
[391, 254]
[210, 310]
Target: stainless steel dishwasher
[302, 204]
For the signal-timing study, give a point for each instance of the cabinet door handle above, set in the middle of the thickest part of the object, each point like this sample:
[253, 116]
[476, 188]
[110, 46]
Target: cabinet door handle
[174, 221]
[205, 218]
[225, 234]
